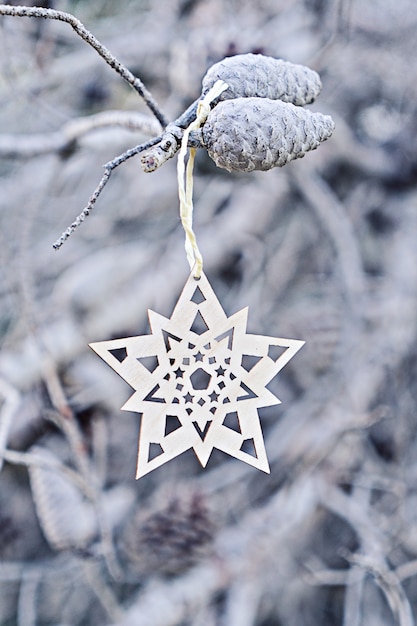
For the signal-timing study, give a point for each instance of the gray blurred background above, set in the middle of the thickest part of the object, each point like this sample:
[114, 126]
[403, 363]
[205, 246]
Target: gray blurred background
[323, 250]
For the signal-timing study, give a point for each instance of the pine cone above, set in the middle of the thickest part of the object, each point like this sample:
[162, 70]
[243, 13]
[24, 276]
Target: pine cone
[67, 518]
[255, 75]
[171, 538]
[249, 134]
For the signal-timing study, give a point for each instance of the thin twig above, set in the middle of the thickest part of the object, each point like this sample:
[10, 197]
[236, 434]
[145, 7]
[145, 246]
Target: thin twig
[389, 583]
[84, 33]
[407, 570]
[8, 411]
[28, 459]
[28, 146]
[171, 141]
[86, 211]
[103, 591]
[355, 576]
[333, 219]
[108, 168]
[354, 594]
[316, 574]
[64, 416]
[65, 419]
[374, 549]
[27, 604]
[157, 155]
[242, 602]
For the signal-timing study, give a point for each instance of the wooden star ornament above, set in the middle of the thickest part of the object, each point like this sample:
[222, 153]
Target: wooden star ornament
[199, 380]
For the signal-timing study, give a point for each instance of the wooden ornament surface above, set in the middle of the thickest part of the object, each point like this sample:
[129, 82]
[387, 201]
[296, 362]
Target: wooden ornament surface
[199, 380]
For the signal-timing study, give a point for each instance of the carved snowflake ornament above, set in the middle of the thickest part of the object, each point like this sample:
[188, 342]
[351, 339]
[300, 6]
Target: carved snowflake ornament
[199, 380]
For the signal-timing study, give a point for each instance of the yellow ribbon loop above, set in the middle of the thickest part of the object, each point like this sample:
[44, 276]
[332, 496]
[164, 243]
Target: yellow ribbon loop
[185, 179]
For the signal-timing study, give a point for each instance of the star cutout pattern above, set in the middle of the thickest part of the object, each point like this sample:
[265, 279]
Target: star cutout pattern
[199, 380]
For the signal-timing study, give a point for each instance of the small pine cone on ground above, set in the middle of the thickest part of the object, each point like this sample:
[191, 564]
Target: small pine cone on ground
[256, 75]
[247, 134]
[171, 538]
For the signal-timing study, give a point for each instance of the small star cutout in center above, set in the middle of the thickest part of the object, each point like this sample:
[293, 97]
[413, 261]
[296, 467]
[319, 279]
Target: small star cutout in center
[220, 371]
[179, 373]
[188, 397]
[214, 396]
[198, 356]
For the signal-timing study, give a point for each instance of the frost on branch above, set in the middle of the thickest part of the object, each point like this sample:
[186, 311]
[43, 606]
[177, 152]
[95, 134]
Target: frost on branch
[246, 134]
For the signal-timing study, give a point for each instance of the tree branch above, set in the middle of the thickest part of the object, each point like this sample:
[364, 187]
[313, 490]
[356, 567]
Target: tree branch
[84, 33]
[390, 585]
[11, 403]
[108, 168]
[14, 145]
[27, 459]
